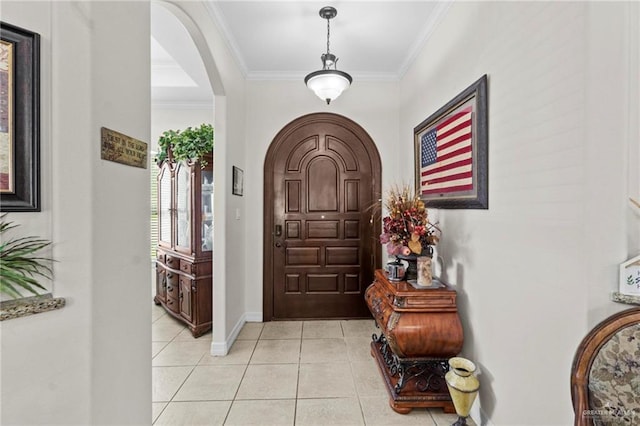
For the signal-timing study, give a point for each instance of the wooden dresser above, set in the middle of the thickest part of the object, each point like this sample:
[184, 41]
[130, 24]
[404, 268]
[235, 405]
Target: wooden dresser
[421, 330]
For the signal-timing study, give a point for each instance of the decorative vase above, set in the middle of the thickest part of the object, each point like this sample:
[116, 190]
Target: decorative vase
[463, 387]
[412, 260]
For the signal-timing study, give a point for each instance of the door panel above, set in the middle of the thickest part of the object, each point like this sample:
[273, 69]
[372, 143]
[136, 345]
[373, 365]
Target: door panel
[321, 174]
[322, 229]
[185, 298]
[322, 182]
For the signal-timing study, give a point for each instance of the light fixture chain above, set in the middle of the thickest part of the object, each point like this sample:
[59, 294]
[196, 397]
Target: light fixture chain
[328, 33]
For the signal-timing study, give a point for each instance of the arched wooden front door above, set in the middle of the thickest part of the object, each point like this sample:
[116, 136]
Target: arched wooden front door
[322, 176]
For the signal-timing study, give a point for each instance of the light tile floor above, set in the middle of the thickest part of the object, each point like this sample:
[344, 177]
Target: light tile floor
[277, 373]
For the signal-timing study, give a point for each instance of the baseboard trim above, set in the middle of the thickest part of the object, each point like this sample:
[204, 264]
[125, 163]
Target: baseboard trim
[253, 317]
[222, 348]
[219, 349]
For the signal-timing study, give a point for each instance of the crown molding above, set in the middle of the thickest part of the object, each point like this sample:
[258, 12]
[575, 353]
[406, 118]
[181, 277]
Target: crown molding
[299, 76]
[433, 20]
[181, 105]
[439, 12]
[227, 35]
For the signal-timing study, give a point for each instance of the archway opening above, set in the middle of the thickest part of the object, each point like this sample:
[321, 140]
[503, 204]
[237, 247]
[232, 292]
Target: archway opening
[187, 92]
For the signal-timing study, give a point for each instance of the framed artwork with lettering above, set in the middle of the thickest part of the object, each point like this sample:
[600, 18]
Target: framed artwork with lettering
[19, 119]
[451, 150]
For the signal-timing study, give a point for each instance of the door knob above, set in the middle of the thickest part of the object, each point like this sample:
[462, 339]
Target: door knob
[278, 244]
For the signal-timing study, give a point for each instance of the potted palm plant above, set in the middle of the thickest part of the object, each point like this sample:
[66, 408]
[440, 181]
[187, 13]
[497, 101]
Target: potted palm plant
[21, 262]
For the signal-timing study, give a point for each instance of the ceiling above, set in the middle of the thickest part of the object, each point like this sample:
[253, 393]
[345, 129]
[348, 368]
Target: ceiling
[277, 40]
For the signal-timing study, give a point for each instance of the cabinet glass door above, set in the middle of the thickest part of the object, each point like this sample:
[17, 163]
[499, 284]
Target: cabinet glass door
[164, 206]
[183, 206]
[207, 209]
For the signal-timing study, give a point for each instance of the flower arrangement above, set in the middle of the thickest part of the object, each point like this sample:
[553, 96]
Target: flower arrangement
[407, 229]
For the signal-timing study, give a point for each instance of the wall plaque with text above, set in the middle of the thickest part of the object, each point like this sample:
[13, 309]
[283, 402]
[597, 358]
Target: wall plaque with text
[115, 146]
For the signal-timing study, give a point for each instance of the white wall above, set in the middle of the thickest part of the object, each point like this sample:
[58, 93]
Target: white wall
[613, 136]
[534, 271]
[228, 86]
[271, 105]
[73, 366]
[121, 99]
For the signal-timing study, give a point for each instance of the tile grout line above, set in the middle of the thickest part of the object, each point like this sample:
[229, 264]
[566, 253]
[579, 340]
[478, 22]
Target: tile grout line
[244, 373]
[177, 390]
[186, 378]
[295, 405]
[163, 348]
[355, 386]
[160, 414]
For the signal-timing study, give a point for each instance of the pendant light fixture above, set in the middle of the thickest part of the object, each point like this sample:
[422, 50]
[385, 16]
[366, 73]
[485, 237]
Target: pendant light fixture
[328, 83]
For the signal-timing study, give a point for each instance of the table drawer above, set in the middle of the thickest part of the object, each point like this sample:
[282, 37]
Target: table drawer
[172, 284]
[172, 262]
[199, 268]
[173, 304]
[187, 267]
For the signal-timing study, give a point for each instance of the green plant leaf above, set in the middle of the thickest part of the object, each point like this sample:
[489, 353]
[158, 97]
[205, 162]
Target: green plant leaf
[190, 144]
[20, 264]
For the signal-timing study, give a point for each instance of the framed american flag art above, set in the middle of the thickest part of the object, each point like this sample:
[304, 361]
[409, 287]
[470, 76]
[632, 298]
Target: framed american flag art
[19, 119]
[451, 150]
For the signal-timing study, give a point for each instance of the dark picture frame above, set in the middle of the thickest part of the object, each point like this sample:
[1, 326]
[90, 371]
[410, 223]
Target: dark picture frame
[451, 152]
[237, 187]
[20, 119]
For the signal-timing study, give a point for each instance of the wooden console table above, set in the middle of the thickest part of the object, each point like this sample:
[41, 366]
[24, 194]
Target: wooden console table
[421, 330]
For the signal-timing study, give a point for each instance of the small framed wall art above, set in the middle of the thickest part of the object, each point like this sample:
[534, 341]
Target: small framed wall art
[451, 150]
[19, 119]
[630, 277]
[238, 181]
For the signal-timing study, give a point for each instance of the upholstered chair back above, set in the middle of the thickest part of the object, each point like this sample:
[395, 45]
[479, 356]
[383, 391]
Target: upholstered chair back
[605, 379]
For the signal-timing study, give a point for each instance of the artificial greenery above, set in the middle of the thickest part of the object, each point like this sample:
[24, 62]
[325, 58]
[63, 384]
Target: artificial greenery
[189, 144]
[20, 263]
